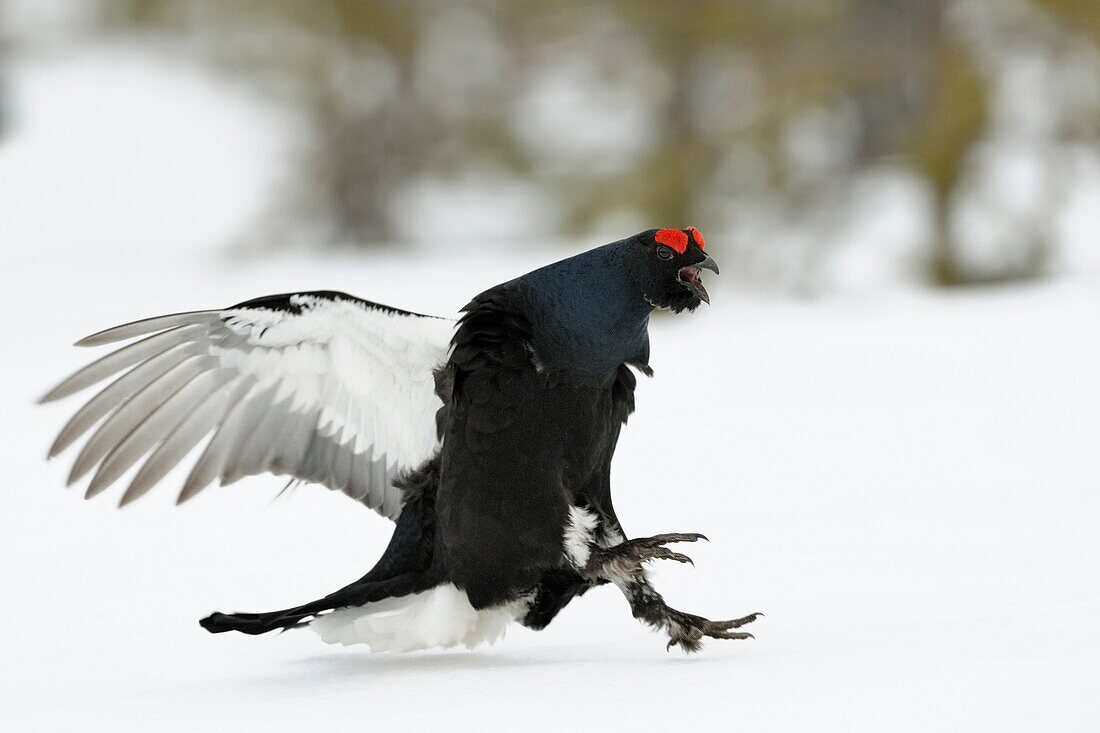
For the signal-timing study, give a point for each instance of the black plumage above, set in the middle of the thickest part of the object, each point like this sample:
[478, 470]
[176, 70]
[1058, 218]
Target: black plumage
[512, 509]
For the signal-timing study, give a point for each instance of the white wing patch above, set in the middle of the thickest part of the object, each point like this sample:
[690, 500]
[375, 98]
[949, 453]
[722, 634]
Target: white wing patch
[325, 388]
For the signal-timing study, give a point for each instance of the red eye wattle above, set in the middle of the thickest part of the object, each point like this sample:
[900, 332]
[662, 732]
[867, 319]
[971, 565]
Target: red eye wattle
[673, 238]
[698, 236]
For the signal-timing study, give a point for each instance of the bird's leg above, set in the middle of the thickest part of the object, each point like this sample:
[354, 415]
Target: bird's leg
[622, 564]
[555, 590]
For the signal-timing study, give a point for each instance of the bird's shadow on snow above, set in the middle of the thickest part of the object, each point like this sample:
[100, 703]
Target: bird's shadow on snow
[330, 671]
[421, 672]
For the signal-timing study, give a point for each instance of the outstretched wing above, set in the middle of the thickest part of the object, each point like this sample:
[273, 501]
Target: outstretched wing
[320, 386]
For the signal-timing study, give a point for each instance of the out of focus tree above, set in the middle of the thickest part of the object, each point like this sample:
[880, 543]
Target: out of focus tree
[758, 121]
[1081, 14]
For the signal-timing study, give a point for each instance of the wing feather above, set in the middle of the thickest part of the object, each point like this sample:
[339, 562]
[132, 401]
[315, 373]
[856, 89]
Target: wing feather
[118, 392]
[237, 443]
[360, 477]
[155, 428]
[125, 357]
[148, 325]
[378, 479]
[185, 437]
[132, 412]
[213, 459]
[340, 469]
[320, 386]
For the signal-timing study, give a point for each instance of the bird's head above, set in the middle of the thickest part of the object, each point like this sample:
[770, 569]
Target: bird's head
[667, 264]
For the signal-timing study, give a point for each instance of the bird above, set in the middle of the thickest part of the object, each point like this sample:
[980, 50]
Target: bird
[488, 439]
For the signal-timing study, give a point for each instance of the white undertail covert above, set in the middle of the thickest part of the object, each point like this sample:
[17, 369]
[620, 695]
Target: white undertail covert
[440, 617]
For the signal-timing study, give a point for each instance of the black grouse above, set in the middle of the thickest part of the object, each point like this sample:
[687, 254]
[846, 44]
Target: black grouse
[487, 440]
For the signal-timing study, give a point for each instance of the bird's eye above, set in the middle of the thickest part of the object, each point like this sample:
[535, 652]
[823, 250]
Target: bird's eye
[664, 252]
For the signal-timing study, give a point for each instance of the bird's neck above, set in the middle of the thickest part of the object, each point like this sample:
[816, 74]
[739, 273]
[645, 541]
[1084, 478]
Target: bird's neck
[587, 316]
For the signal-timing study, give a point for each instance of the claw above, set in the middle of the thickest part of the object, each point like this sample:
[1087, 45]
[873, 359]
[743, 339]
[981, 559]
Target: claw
[715, 634]
[682, 537]
[734, 623]
[661, 539]
[663, 553]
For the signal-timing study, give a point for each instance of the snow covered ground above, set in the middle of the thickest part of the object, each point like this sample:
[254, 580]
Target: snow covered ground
[907, 485]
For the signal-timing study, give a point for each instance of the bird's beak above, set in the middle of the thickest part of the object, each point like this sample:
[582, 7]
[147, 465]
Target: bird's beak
[691, 277]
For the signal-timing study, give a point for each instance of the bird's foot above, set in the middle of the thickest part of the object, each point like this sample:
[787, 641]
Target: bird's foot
[627, 558]
[687, 630]
[622, 564]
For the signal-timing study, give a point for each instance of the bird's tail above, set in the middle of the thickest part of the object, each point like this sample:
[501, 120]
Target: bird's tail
[397, 615]
[402, 570]
[260, 623]
[402, 604]
[361, 592]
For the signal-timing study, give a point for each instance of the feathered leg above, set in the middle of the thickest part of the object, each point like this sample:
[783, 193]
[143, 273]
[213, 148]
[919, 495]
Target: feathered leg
[555, 590]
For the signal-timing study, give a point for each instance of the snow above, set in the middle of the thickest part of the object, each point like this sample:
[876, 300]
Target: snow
[121, 146]
[906, 484]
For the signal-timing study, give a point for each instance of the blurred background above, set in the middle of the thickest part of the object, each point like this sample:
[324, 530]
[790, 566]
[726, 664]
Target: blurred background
[821, 146]
[894, 451]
